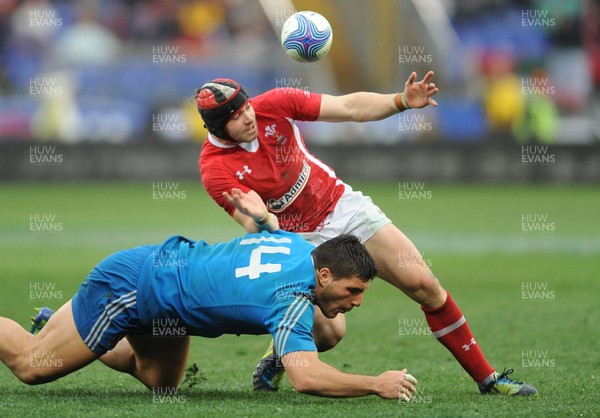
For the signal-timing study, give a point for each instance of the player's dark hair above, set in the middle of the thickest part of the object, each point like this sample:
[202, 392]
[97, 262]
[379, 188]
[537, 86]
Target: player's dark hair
[345, 256]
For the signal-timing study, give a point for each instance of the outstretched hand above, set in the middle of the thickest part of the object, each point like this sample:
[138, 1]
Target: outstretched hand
[395, 384]
[249, 204]
[419, 94]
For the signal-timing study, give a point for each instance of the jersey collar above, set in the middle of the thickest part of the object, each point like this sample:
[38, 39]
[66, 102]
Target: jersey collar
[248, 146]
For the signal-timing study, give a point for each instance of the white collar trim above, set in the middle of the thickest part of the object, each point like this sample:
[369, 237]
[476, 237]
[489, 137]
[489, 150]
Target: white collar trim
[248, 146]
[216, 143]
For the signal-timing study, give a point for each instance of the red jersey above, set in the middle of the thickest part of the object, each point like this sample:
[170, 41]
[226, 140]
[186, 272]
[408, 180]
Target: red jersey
[296, 186]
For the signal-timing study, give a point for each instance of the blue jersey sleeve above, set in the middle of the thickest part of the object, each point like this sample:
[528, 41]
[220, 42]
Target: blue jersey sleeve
[292, 325]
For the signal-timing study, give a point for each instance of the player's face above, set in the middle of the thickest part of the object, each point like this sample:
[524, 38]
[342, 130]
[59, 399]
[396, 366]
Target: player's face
[340, 296]
[242, 126]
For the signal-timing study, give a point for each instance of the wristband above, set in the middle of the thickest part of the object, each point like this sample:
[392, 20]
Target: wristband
[262, 220]
[404, 102]
[394, 103]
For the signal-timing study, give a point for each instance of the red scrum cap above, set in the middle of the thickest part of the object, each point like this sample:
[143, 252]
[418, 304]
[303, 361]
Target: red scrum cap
[217, 101]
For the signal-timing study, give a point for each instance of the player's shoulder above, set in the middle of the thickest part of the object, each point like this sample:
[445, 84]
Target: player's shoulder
[278, 99]
[210, 149]
[265, 102]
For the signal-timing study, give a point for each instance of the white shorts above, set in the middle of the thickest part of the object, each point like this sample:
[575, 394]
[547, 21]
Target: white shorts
[354, 214]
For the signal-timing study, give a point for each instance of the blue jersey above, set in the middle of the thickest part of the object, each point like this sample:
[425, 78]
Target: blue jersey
[255, 284]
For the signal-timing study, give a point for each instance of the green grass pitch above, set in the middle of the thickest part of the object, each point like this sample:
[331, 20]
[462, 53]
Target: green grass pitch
[521, 261]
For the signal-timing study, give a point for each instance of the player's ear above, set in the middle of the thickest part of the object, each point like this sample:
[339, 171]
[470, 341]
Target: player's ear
[324, 276]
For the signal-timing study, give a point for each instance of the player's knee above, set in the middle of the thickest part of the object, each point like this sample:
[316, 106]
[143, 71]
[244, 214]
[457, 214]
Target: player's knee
[162, 385]
[157, 377]
[30, 375]
[422, 285]
[419, 279]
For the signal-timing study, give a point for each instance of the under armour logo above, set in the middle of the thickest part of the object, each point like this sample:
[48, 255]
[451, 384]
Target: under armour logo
[467, 347]
[240, 174]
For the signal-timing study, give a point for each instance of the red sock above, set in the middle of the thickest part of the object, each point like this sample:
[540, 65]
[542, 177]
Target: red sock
[449, 326]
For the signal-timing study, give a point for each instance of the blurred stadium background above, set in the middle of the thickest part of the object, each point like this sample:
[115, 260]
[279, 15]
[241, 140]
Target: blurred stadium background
[106, 85]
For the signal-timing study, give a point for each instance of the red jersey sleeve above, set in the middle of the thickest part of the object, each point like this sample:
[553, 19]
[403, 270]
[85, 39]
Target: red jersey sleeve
[289, 102]
[216, 179]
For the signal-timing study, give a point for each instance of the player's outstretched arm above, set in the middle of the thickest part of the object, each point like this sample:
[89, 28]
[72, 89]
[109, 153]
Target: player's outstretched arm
[251, 211]
[309, 375]
[366, 106]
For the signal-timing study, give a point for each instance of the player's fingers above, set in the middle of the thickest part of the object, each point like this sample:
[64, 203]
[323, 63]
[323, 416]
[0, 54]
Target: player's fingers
[411, 378]
[411, 78]
[408, 387]
[228, 197]
[428, 77]
[432, 102]
[405, 393]
[237, 192]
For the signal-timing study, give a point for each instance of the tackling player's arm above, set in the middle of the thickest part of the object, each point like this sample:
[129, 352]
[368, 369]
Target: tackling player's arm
[366, 106]
[309, 375]
[251, 212]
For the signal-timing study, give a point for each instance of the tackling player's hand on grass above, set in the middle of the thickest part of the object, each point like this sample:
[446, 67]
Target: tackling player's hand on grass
[395, 384]
[419, 94]
[308, 374]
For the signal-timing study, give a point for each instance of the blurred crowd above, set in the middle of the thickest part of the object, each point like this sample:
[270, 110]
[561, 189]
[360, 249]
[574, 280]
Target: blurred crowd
[125, 70]
[539, 67]
[114, 70]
